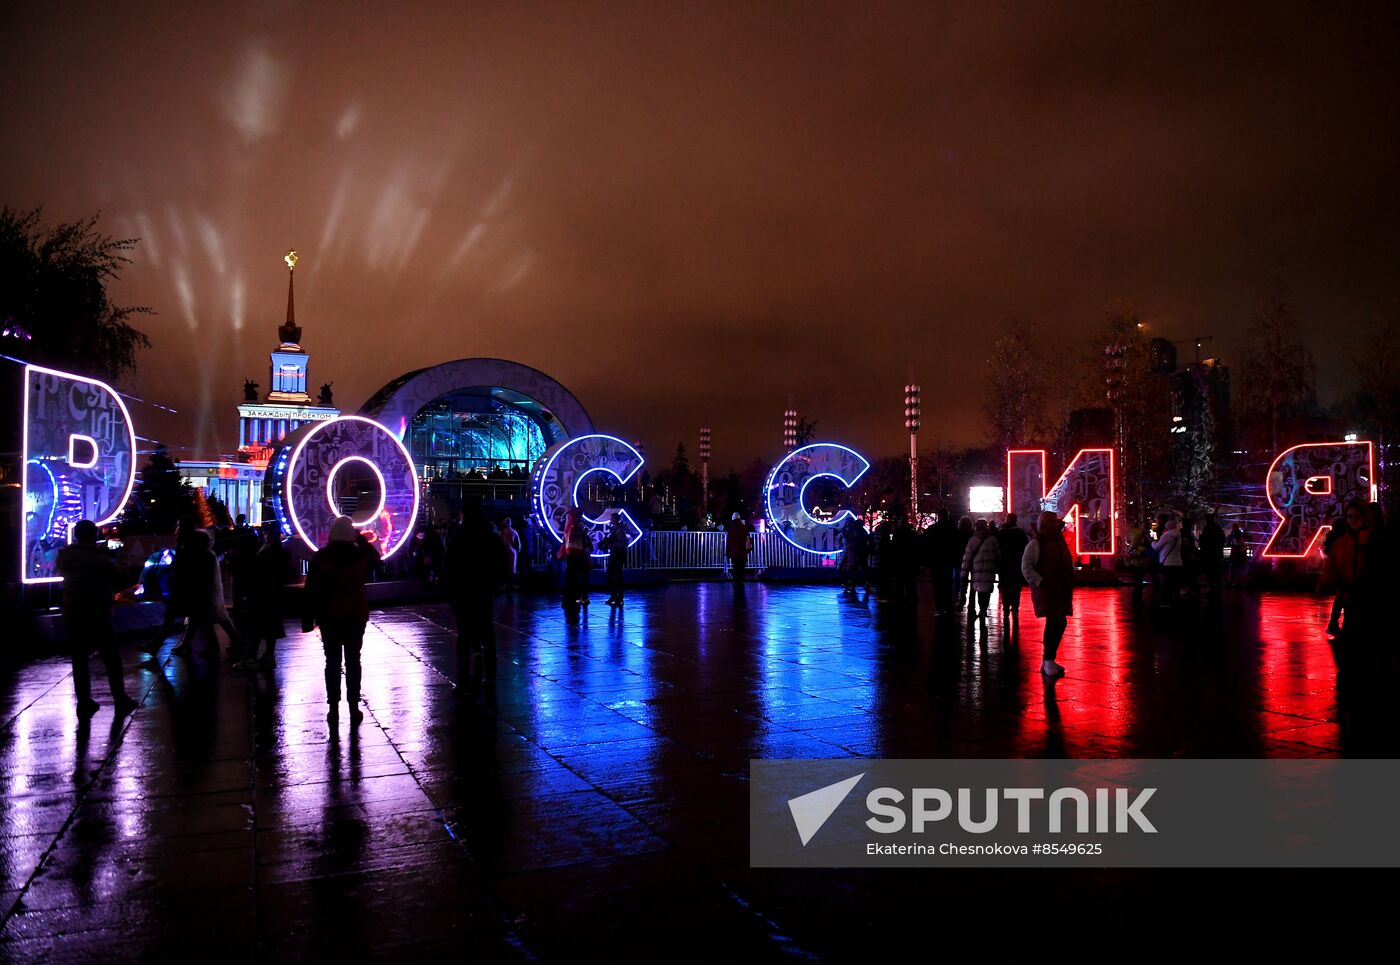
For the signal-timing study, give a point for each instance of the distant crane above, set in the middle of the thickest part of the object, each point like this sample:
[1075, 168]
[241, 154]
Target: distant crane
[1197, 342]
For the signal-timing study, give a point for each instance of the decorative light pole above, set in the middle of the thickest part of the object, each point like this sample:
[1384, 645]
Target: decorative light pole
[913, 411]
[704, 470]
[789, 427]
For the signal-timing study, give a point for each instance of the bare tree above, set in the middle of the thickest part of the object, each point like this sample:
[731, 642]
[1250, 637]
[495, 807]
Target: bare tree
[1278, 377]
[1016, 387]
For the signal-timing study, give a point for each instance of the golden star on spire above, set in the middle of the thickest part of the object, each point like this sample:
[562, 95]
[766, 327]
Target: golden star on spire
[291, 259]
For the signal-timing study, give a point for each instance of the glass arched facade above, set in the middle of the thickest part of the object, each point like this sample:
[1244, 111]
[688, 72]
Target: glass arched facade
[465, 434]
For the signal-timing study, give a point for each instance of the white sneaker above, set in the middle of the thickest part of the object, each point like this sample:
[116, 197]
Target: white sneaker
[1051, 669]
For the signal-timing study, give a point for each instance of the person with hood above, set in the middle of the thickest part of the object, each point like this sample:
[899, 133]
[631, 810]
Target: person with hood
[335, 601]
[1049, 569]
[197, 590]
[981, 563]
[268, 576]
[736, 546]
[1012, 540]
[576, 551]
[855, 558]
[90, 579]
[1169, 557]
[474, 569]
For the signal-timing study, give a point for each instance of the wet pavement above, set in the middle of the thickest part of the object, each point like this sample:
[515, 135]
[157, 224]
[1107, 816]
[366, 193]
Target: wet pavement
[593, 803]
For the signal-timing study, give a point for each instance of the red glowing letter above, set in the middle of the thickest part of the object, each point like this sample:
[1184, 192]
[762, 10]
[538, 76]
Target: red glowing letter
[1308, 487]
[1082, 496]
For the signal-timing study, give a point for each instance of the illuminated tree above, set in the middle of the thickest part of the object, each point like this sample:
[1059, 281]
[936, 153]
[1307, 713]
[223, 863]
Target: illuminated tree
[53, 286]
[161, 496]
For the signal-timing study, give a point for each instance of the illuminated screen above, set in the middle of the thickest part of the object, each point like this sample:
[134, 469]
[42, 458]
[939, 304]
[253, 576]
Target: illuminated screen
[986, 499]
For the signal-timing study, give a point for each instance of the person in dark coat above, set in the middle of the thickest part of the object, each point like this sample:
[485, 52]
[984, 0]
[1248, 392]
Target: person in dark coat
[239, 547]
[336, 602]
[1012, 540]
[939, 541]
[736, 546]
[197, 587]
[1049, 569]
[616, 545]
[956, 550]
[904, 559]
[1212, 547]
[474, 568]
[90, 579]
[268, 575]
[577, 553]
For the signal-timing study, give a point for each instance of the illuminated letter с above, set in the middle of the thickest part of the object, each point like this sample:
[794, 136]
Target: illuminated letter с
[558, 482]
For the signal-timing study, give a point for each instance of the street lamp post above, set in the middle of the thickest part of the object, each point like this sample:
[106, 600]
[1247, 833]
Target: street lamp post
[913, 411]
[704, 470]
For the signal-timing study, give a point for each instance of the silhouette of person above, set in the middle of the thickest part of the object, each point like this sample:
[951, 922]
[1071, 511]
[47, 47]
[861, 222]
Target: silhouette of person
[198, 586]
[1049, 569]
[473, 569]
[90, 579]
[268, 576]
[336, 602]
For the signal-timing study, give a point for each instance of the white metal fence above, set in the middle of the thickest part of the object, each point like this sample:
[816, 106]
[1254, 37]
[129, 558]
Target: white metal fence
[703, 550]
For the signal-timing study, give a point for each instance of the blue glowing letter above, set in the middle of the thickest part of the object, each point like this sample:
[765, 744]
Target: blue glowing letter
[554, 486]
[79, 462]
[301, 481]
[786, 490]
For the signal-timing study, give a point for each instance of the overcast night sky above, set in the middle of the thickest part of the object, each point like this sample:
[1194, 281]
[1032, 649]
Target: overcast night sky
[684, 212]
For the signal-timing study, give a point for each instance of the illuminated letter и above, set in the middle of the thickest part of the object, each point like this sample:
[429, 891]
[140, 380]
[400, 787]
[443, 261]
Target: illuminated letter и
[1083, 495]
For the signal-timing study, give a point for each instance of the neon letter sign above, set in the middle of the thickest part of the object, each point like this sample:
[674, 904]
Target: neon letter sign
[1307, 487]
[1082, 496]
[554, 485]
[302, 474]
[79, 462]
[784, 494]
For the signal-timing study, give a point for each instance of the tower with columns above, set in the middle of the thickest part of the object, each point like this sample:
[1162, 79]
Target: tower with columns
[288, 405]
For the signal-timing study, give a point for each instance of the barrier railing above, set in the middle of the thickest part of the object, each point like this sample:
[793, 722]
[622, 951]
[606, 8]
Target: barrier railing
[701, 550]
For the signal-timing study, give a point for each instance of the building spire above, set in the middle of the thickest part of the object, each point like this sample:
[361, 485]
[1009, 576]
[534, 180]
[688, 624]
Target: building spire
[291, 259]
[289, 331]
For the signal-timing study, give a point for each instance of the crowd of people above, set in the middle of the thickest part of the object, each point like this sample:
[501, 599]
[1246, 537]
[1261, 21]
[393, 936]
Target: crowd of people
[967, 561]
